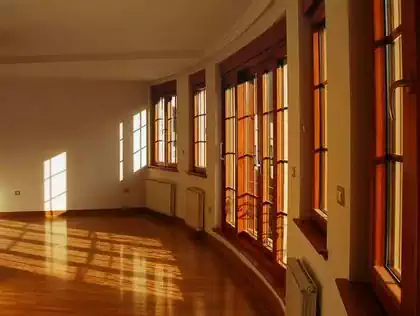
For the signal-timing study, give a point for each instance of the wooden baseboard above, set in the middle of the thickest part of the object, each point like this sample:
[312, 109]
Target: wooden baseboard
[82, 213]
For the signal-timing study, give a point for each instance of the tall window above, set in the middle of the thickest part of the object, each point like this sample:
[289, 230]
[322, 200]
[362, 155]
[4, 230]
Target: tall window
[247, 158]
[255, 147]
[165, 132]
[268, 157]
[172, 157]
[121, 151]
[396, 225]
[139, 140]
[230, 156]
[164, 128]
[282, 163]
[55, 183]
[320, 124]
[200, 131]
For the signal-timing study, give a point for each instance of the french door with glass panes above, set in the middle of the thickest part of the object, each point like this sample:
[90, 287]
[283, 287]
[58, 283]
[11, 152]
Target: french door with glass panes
[255, 160]
[396, 225]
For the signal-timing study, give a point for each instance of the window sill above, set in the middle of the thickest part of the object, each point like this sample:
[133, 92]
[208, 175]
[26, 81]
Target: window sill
[163, 168]
[318, 239]
[359, 298]
[387, 289]
[197, 174]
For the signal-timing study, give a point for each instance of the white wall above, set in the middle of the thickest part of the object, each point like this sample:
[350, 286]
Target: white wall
[40, 119]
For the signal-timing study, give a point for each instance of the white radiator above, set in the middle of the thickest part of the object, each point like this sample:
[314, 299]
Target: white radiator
[160, 196]
[195, 208]
[301, 290]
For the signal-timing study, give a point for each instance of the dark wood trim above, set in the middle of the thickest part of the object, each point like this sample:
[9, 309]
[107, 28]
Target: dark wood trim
[403, 298]
[198, 80]
[161, 90]
[358, 298]
[77, 212]
[320, 219]
[274, 222]
[163, 168]
[202, 174]
[309, 5]
[312, 232]
[260, 98]
[258, 56]
[386, 289]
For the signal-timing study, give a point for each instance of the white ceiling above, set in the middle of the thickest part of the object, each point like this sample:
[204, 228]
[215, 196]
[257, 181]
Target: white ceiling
[111, 39]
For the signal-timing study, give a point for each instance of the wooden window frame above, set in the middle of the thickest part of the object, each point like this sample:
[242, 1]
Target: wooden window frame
[319, 214]
[398, 297]
[313, 223]
[197, 85]
[265, 54]
[142, 128]
[163, 92]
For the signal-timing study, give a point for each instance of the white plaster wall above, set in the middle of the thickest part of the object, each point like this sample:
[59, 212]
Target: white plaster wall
[40, 119]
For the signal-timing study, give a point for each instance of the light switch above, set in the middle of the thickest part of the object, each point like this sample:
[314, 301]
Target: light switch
[341, 199]
[293, 172]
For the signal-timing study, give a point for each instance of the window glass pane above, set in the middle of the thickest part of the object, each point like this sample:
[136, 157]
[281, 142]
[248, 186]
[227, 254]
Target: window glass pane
[136, 161]
[136, 141]
[161, 130]
[121, 171]
[202, 128]
[121, 131]
[394, 12]
[136, 121]
[58, 184]
[285, 88]
[323, 116]
[396, 62]
[316, 57]
[121, 150]
[324, 177]
[317, 170]
[286, 135]
[323, 59]
[394, 234]
[173, 152]
[268, 92]
[161, 152]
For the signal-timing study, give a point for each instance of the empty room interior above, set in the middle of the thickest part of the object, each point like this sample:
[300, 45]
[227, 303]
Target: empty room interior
[212, 157]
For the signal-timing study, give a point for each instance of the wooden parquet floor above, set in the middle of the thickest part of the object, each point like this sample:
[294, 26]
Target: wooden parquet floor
[131, 265]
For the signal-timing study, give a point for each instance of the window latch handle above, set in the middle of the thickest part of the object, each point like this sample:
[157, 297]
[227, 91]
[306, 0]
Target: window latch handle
[222, 158]
[403, 83]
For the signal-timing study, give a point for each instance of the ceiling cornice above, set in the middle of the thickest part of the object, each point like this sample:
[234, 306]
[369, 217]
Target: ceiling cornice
[160, 54]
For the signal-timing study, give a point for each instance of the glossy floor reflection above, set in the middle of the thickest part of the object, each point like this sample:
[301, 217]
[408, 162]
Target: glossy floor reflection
[114, 266]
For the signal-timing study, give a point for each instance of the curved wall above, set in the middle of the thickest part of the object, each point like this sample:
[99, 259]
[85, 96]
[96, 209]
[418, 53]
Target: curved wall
[349, 126]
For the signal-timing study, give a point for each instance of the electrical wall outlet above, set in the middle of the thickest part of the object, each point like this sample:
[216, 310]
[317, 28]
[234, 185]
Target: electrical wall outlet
[17, 192]
[341, 199]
